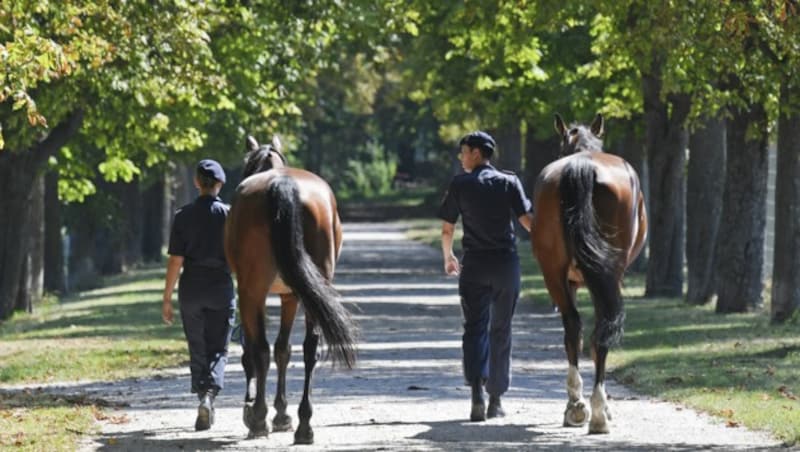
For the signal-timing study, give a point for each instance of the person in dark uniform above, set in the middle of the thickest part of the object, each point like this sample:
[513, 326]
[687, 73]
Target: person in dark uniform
[205, 292]
[487, 200]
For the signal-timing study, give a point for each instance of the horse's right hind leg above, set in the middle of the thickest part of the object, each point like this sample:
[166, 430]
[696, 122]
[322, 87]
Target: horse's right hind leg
[282, 422]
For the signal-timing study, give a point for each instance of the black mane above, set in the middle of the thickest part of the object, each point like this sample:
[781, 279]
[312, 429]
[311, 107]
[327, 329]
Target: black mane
[580, 138]
[262, 159]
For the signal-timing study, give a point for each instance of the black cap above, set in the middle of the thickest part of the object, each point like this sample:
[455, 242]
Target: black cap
[211, 168]
[481, 140]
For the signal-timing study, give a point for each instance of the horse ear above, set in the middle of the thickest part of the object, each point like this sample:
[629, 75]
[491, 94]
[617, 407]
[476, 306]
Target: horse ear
[252, 144]
[559, 125]
[598, 126]
[276, 143]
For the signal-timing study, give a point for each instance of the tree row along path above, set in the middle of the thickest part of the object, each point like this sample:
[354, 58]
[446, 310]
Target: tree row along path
[407, 392]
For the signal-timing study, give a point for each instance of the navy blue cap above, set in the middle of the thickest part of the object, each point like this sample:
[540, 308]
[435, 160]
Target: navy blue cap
[211, 168]
[479, 139]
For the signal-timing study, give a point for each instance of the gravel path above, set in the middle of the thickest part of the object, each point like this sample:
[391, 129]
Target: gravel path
[407, 392]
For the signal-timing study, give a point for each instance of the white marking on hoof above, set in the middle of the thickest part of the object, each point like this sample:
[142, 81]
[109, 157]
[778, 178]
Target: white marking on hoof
[599, 422]
[574, 384]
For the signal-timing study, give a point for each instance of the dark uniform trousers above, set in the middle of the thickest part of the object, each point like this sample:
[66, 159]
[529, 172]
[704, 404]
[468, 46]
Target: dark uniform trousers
[207, 327]
[489, 287]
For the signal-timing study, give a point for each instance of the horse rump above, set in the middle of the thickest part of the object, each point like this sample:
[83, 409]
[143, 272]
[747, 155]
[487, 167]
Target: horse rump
[320, 300]
[598, 260]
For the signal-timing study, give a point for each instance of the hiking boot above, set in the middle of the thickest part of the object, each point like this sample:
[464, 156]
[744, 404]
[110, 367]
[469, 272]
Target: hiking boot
[495, 408]
[205, 412]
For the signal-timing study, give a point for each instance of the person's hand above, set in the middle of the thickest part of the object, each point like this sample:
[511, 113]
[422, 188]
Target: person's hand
[166, 309]
[451, 265]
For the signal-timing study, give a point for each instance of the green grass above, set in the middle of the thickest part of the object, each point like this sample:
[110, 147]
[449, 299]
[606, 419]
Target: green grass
[34, 421]
[108, 333]
[735, 366]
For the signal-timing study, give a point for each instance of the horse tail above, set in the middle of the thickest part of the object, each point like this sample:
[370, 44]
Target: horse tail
[596, 258]
[320, 300]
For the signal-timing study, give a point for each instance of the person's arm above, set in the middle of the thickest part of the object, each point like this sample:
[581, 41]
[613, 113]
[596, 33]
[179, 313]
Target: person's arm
[526, 220]
[174, 264]
[451, 265]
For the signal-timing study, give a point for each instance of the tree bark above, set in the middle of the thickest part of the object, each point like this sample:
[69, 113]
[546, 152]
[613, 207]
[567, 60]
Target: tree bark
[54, 278]
[17, 170]
[786, 267]
[705, 185]
[631, 147]
[666, 140]
[32, 279]
[508, 155]
[153, 220]
[740, 249]
[538, 154]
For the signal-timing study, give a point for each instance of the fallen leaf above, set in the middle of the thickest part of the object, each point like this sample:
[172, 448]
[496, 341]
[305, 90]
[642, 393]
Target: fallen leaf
[727, 412]
[784, 391]
[732, 424]
[765, 397]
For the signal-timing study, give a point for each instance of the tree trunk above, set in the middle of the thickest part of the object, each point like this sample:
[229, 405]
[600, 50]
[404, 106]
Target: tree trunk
[740, 249]
[705, 185]
[631, 147]
[666, 141]
[538, 154]
[32, 279]
[132, 224]
[508, 155]
[54, 280]
[153, 220]
[17, 170]
[82, 273]
[786, 268]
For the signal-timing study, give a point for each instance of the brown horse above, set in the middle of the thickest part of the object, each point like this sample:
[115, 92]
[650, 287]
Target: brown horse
[283, 236]
[589, 224]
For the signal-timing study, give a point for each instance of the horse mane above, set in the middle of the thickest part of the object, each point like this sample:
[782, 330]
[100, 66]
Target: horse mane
[258, 160]
[580, 138]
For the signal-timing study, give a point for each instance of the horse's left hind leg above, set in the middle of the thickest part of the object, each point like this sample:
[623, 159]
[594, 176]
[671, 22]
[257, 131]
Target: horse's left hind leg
[304, 433]
[256, 359]
[282, 422]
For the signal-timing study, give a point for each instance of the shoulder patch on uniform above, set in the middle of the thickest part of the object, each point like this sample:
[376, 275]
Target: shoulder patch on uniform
[508, 172]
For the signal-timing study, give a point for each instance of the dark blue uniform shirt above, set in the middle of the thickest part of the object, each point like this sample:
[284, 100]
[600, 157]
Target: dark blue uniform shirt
[197, 234]
[488, 200]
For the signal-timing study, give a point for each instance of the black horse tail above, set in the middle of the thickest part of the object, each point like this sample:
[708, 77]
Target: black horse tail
[321, 303]
[596, 258]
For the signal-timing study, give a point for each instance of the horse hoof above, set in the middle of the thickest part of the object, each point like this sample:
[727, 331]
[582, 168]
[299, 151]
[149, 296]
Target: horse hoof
[304, 435]
[282, 423]
[576, 415]
[252, 421]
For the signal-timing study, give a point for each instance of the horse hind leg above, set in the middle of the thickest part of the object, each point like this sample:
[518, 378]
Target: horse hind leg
[282, 422]
[606, 332]
[577, 412]
[256, 363]
[304, 433]
[601, 413]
